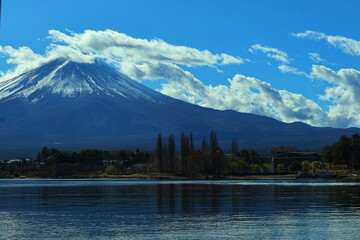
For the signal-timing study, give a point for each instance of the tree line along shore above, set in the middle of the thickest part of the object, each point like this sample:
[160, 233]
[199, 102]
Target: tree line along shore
[183, 160]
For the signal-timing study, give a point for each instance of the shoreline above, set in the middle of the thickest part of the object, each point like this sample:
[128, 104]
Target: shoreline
[157, 176]
[351, 176]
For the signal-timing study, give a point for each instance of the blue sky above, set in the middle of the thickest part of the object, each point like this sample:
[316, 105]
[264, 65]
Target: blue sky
[290, 60]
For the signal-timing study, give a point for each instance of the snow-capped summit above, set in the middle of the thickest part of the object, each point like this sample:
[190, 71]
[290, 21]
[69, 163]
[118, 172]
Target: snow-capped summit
[68, 79]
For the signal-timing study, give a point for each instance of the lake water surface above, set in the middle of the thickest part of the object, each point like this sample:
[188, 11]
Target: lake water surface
[137, 209]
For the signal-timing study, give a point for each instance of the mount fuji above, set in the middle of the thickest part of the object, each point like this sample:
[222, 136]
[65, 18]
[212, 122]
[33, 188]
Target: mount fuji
[71, 105]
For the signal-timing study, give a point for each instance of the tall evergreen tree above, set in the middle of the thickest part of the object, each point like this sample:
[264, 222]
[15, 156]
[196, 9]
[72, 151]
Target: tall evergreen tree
[355, 150]
[345, 151]
[234, 146]
[183, 151]
[213, 142]
[327, 154]
[165, 158]
[45, 152]
[187, 154]
[159, 152]
[192, 147]
[219, 161]
[171, 150]
[342, 150]
[213, 147]
[204, 145]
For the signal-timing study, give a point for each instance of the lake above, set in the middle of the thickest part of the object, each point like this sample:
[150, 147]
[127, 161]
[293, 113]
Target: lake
[138, 209]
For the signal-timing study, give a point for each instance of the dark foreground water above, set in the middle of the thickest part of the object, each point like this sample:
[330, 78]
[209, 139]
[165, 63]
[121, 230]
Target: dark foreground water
[128, 209]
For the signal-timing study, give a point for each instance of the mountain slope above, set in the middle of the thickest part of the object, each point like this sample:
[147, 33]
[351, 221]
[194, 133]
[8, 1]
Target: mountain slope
[76, 105]
[67, 79]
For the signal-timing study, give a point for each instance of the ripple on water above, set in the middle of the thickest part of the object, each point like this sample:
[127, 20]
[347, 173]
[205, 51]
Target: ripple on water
[128, 209]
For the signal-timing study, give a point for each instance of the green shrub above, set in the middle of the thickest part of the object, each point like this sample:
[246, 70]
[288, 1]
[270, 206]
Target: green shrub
[280, 167]
[305, 166]
[112, 170]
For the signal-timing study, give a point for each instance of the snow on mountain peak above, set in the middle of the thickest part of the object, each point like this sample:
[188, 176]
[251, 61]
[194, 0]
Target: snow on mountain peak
[68, 79]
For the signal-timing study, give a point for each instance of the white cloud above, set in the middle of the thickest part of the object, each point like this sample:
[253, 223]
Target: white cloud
[117, 48]
[315, 57]
[227, 59]
[155, 59]
[246, 94]
[310, 34]
[180, 84]
[243, 94]
[273, 53]
[22, 58]
[347, 45]
[289, 69]
[278, 55]
[343, 94]
[111, 44]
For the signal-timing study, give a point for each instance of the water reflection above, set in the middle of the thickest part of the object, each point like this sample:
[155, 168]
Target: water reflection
[214, 198]
[181, 210]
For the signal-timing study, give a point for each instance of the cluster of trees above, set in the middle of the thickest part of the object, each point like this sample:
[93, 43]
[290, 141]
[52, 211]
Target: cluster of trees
[303, 166]
[18, 168]
[181, 157]
[209, 158]
[247, 161]
[63, 163]
[345, 151]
